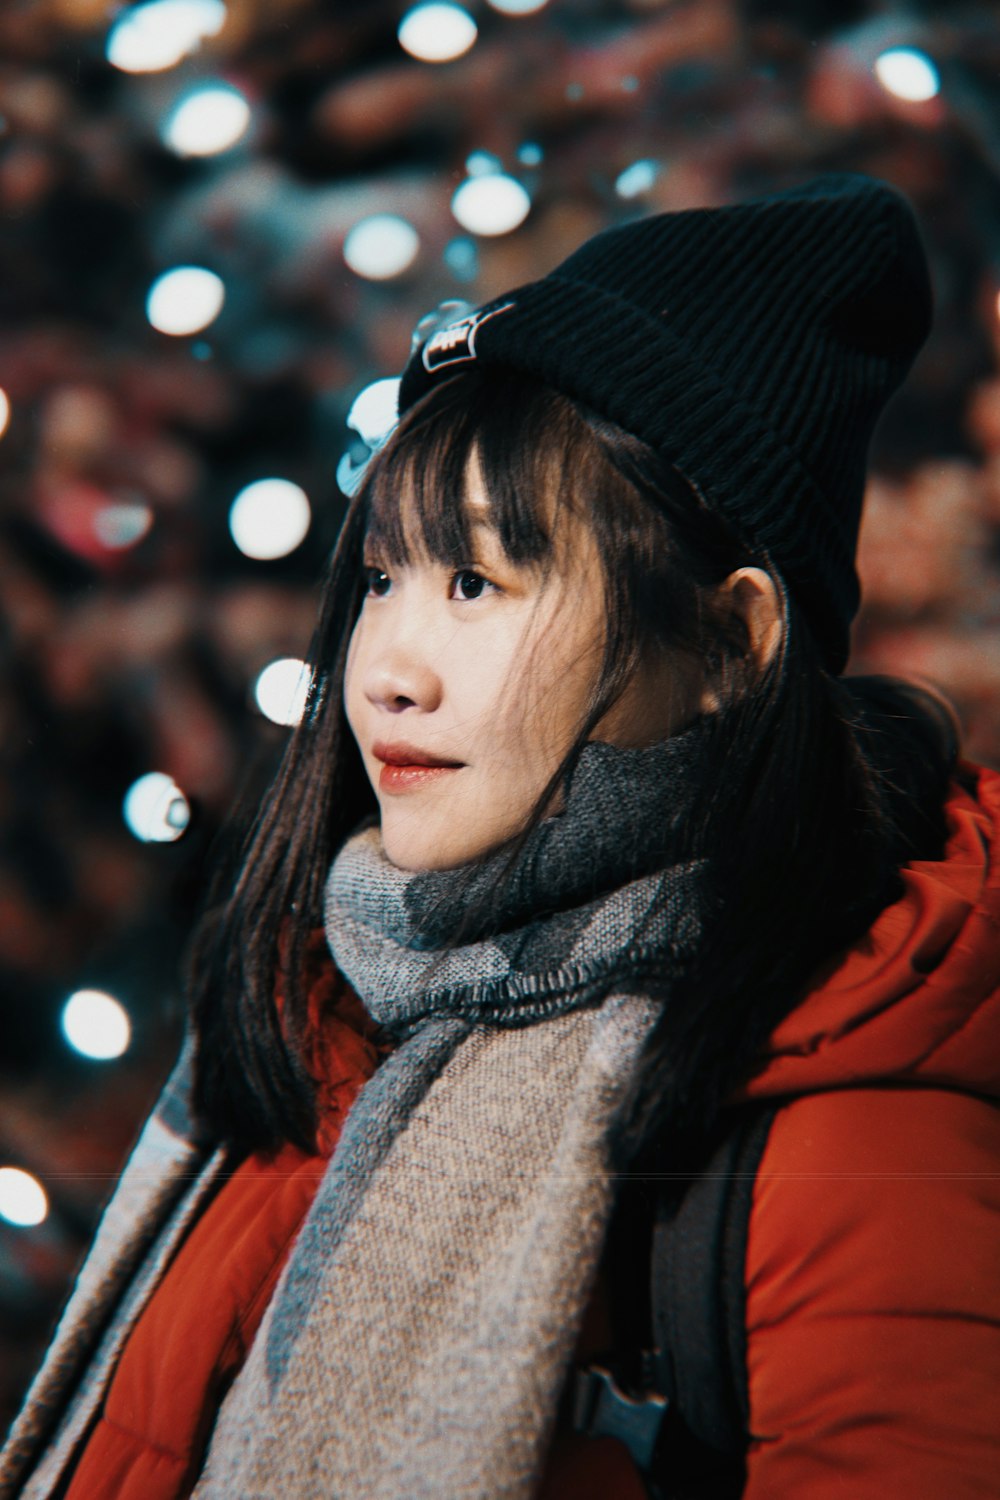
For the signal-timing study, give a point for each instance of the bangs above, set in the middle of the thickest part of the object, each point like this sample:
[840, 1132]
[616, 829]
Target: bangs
[518, 432]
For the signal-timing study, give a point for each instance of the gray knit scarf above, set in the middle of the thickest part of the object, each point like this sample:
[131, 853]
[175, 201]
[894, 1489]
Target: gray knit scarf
[424, 1327]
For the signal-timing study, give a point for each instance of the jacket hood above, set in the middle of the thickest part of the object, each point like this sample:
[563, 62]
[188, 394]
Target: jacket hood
[917, 1000]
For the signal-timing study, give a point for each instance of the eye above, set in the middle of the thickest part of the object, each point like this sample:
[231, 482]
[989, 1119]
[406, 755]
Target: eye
[468, 584]
[377, 582]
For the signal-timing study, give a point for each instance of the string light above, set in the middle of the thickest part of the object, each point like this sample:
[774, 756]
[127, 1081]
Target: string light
[908, 74]
[491, 204]
[185, 300]
[4, 412]
[207, 120]
[22, 1198]
[96, 1025]
[155, 809]
[381, 246]
[159, 34]
[437, 32]
[281, 690]
[269, 518]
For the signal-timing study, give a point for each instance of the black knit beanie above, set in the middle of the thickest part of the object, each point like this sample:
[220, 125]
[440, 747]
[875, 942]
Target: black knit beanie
[754, 346]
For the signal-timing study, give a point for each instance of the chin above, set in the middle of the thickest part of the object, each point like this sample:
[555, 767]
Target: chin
[418, 849]
[412, 861]
[411, 850]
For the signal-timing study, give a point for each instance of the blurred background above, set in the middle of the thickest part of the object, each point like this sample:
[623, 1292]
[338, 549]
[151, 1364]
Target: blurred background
[219, 226]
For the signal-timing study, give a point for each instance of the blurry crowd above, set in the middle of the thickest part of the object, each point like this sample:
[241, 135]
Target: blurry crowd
[133, 628]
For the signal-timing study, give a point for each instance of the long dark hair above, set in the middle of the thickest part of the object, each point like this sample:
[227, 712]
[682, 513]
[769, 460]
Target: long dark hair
[820, 788]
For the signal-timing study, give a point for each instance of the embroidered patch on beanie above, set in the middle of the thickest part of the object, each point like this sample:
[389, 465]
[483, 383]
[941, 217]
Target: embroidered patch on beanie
[456, 343]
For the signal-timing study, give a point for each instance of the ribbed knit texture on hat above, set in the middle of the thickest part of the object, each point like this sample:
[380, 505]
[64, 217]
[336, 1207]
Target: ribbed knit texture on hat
[754, 346]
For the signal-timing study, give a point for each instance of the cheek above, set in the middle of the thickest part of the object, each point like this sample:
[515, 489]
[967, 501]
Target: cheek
[353, 695]
[481, 669]
[549, 693]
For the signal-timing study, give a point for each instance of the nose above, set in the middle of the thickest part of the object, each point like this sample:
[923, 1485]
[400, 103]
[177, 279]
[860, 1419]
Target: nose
[399, 677]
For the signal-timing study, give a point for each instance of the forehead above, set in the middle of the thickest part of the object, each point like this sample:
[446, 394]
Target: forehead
[425, 497]
[431, 493]
[476, 497]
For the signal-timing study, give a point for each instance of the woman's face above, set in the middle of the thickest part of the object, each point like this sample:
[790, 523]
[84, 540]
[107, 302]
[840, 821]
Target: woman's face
[466, 687]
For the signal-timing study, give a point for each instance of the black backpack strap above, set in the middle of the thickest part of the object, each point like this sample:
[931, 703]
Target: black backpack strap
[698, 1290]
[676, 1263]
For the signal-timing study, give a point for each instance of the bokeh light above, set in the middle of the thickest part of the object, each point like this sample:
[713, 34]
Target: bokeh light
[269, 518]
[518, 7]
[4, 412]
[637, 179]
[281, 690]
[160, 33]
[437, 32]
[210, 119]
[96, 1025]
[461, 256]
[381, 246]
[491, 204]
[908, 74]
[375, 411]
[185, 300]
[155, 809]
[122, 524]
[482, 164]
[350, 472]
[22, 1198]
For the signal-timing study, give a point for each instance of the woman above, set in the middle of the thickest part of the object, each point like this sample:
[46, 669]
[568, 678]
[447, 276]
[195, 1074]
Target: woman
[583, 850]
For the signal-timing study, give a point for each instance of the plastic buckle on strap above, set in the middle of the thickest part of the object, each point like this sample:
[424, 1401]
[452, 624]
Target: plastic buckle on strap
[602, 1409]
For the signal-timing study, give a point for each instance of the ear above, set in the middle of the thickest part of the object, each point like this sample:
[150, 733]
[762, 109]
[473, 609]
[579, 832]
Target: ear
[751, 593]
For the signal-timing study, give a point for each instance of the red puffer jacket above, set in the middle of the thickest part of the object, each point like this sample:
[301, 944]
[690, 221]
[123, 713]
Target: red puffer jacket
[873, 1265]
[873, 1262]
[873, 1269]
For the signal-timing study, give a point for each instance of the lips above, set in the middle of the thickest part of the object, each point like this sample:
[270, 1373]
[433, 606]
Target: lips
[406, 768]
[400, 754]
